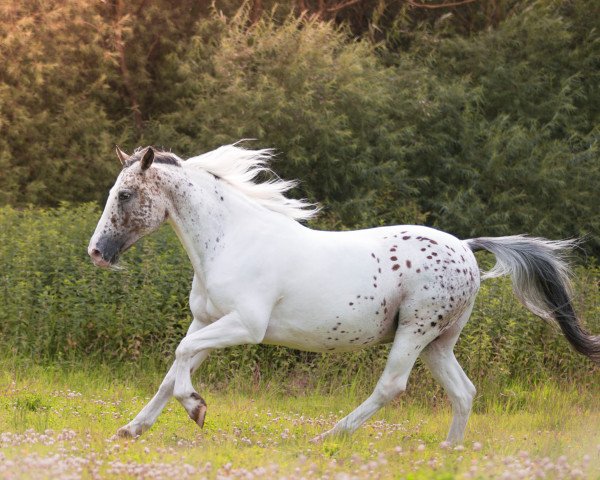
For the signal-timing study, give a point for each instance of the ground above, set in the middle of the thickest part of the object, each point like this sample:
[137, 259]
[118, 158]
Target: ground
[59, 424]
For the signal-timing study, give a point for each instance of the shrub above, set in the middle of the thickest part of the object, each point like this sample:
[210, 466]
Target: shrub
[57, 307]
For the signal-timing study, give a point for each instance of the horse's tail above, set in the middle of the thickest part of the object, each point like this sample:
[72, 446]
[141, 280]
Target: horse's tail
[541, 280]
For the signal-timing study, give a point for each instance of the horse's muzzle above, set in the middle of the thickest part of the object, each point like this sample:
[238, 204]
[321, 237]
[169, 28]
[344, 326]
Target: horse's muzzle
[105, 252]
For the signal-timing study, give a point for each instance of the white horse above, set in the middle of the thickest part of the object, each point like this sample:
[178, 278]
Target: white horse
[262, 277]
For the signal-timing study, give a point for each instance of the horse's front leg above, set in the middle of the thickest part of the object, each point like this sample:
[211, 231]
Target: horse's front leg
[148, 415]
[232, 329]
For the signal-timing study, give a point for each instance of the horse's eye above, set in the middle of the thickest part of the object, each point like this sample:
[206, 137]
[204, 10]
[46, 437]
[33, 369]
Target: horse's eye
[124, 196]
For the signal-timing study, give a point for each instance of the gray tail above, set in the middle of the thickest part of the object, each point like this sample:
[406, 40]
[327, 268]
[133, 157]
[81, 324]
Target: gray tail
[541, 280]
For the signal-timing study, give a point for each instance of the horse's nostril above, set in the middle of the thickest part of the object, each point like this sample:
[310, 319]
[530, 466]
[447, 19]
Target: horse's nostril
[97, 258]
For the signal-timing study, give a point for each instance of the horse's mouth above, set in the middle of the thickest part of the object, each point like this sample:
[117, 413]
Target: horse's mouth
[100, 262]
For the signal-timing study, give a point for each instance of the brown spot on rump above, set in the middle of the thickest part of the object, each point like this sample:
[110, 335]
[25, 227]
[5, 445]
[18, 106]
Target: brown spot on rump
[393, 259]
[418, 270]
[408, 264]
[373, 255]
[406, 237]
[423, 249]
[395, 267]
[433, 242]
[393, 249]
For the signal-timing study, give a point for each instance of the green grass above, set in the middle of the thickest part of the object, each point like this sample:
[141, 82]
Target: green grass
[59, 423]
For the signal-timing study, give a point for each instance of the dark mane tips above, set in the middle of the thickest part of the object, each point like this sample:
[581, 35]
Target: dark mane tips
[160, 156]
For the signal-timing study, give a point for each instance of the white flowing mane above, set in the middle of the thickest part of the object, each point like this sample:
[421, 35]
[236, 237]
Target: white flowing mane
[240, 167]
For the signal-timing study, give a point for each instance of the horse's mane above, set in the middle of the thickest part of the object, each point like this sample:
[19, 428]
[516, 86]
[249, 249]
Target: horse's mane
[240, 167]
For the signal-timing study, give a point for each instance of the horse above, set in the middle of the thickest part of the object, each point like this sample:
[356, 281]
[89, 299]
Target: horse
[262, 276]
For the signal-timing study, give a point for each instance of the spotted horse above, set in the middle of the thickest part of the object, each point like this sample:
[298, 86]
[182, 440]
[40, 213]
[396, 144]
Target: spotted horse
[261, 276]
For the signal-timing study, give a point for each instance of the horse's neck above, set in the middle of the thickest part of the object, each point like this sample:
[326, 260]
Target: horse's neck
[204, 209]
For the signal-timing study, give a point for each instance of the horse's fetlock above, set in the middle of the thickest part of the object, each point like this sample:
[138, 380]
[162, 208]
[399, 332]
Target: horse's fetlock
[181, 395]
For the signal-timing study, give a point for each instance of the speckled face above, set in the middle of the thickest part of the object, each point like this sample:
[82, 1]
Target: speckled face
[135, 207]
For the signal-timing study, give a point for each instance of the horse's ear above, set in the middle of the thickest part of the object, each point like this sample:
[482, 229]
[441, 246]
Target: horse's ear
[148, 158]
[123, 157]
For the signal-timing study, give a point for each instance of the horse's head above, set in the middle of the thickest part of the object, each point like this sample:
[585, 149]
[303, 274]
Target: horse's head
[136, 206]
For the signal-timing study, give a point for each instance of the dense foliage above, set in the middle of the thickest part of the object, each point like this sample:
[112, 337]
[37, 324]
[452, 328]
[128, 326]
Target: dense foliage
[57, 307]
[481, 118]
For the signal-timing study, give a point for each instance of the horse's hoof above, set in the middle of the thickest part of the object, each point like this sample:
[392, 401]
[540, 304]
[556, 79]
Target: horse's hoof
[129, 432]
[198, 413]
[319, 438]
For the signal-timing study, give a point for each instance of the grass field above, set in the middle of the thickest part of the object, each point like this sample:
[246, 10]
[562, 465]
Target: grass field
[59, 423]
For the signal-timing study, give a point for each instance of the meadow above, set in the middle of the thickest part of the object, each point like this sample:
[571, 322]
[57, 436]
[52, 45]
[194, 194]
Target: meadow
[60, 423]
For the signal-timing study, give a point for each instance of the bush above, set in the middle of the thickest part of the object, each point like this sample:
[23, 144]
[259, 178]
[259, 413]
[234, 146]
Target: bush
[57, 307]
[489, 133]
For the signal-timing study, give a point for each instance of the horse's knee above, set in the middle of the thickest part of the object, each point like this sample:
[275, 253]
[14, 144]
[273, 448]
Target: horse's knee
[184, 350]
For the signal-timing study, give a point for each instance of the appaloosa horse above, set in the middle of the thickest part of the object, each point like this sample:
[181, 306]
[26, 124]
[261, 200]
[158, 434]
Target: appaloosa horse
[262, 277]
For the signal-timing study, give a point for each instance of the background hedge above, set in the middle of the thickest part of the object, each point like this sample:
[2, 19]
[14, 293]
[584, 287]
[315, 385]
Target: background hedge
[59, 308]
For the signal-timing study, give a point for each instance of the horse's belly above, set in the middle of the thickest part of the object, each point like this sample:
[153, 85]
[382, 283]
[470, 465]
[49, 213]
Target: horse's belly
[342, 332]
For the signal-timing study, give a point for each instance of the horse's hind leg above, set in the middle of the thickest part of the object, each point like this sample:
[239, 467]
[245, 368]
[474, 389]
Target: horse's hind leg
[439, 358]
[402, 356]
